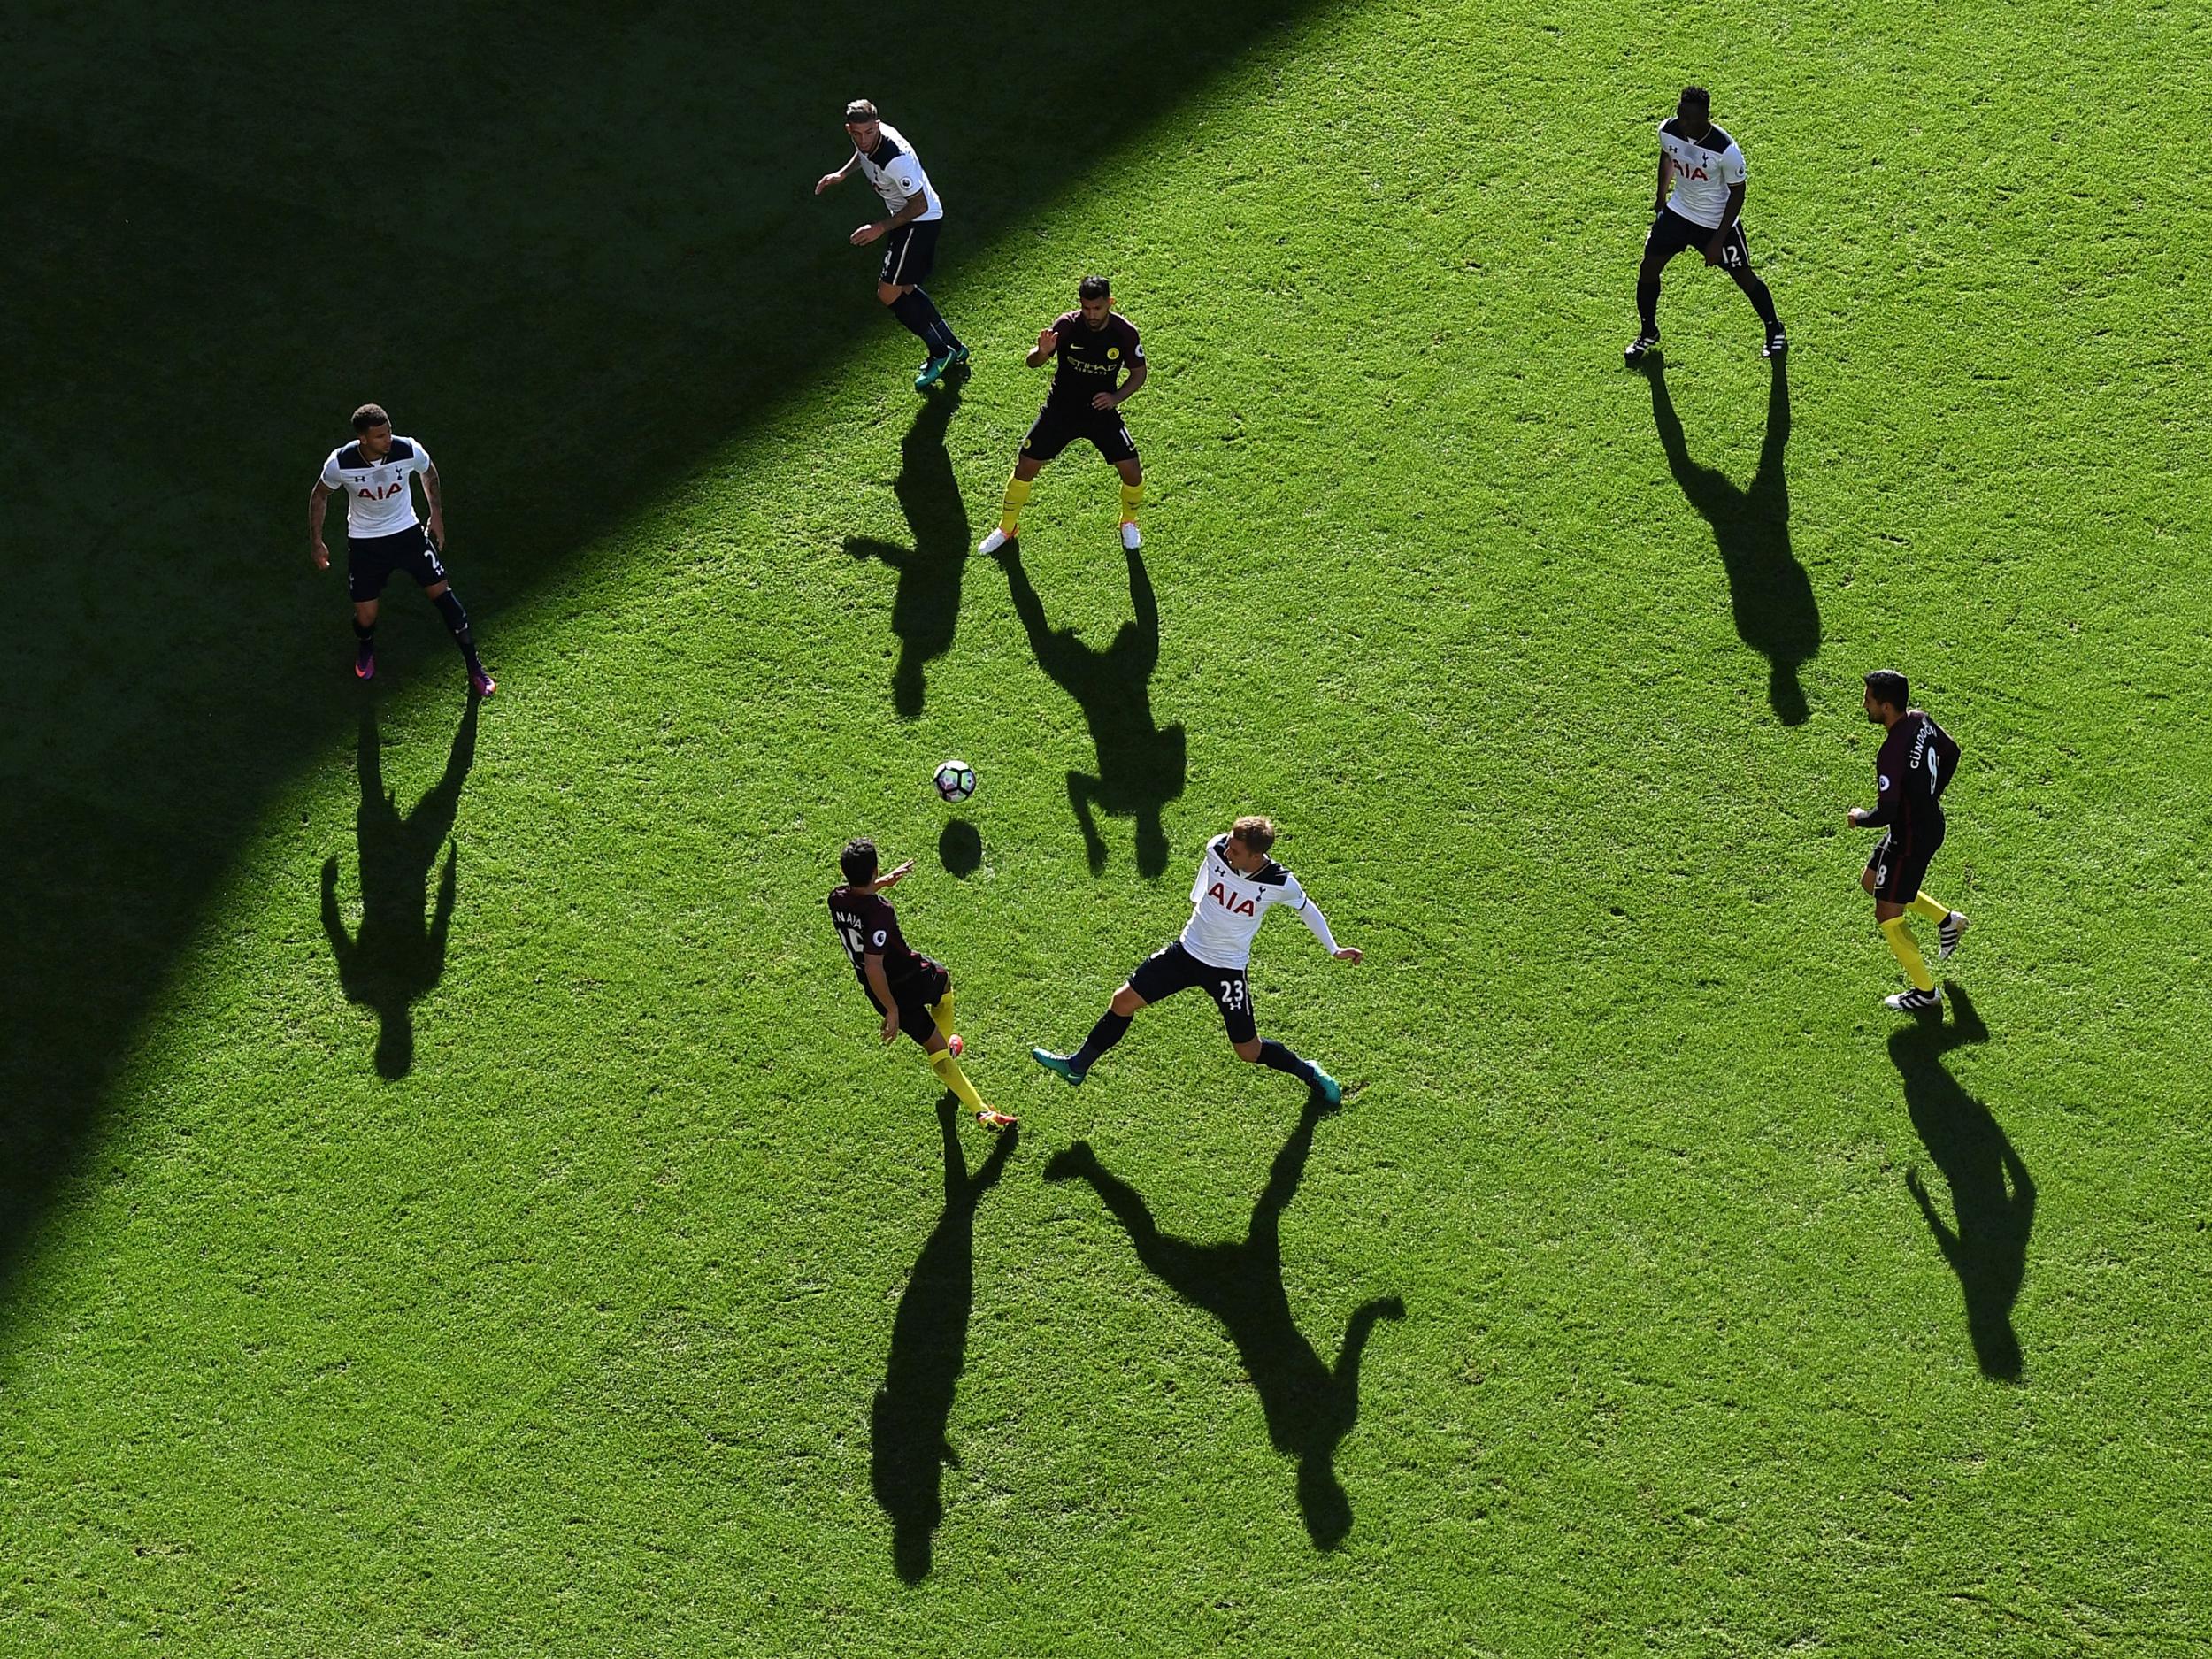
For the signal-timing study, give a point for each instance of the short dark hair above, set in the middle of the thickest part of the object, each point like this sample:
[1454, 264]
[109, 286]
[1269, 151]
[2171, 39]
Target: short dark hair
[858, 861]
[1255, 832]
[860, 110]
[1887, 685]
[1697, 96]
[370, 415]
[1094, 287]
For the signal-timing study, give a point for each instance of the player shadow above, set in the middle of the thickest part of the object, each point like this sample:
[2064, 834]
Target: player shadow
[927, 609]
[1140, 767]
[908, 1449]
[1309, 1405]
[396, 957]
[673, 297]
[1993, 1199]
[1767, 589]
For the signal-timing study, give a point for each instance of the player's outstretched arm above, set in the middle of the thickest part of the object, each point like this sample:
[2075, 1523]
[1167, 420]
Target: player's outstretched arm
[890, 879]
[1048, 342]
[318, 502]
[1316, 924]
[839, 176]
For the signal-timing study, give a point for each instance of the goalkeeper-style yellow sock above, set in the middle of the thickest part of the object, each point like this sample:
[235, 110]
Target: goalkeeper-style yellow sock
[1922, 906]
[1010, 510]
[1132, 498]
[940, 1010]
[950, 1074]
[1897, 932]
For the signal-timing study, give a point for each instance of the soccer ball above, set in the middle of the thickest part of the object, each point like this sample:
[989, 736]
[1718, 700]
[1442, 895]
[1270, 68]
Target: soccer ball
[956, 780]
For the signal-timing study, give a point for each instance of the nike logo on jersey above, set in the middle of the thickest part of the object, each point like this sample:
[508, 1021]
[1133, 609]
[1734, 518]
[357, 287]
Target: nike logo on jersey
[1228, 902]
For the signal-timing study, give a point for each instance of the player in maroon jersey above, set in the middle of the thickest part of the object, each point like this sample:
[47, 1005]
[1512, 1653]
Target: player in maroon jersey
[913, 994]
[1092, 345]
[1912, 770]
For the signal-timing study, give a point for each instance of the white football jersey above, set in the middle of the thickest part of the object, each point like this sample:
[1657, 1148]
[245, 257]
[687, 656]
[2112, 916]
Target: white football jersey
[1226, 908]
[377, 499]
[1703, 170]
[896, 171]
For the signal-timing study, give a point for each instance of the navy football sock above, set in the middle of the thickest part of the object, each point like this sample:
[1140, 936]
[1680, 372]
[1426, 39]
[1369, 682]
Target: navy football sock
[1103, 1036]
[1274, 1053]
[916, 312]
[939, 333]
[1648, 303]
[457, 622]
[1761, 300]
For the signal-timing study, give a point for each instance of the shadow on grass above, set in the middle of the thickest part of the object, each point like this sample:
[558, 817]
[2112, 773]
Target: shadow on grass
[588, 230]
[1140, 767]
[1993, 1199]
[960, 849]
[394, 960]
[908, 1448]
[1771, 595]
[1310, 1406]
[927, 609]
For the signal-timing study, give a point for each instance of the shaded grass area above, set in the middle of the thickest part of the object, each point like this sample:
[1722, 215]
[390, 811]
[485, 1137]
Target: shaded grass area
[652, 1312]
[576, 253]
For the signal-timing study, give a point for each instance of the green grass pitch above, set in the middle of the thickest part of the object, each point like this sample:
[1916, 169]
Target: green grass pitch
[451, 1200]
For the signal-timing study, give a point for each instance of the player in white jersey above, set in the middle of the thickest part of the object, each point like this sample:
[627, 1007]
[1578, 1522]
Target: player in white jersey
[383, 535]
[881, 153]
[1236, 886]
[1706, 169]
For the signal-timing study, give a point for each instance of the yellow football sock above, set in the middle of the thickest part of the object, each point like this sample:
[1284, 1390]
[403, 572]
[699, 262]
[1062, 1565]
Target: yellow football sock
[1010, 511]
[1925, 906]
[950, 1074]
[940, 1010]
[1132, 498]
[1897, 931]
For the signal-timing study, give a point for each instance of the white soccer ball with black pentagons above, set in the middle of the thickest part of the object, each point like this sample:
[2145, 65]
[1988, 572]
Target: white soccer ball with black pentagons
[955, 781]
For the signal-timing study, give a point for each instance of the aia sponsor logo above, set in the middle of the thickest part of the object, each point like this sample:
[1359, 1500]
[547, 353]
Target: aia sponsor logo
[1229, 900]
[380, 492]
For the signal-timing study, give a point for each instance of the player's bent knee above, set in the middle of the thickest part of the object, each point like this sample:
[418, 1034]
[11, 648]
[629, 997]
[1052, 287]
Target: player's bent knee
[436, 589]
[1126, 1003]
[1247, 1050]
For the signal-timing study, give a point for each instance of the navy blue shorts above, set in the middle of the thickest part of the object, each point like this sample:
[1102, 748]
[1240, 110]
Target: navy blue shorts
[370, 560]
[1672, 234]
[909, 253]
[1164, 973]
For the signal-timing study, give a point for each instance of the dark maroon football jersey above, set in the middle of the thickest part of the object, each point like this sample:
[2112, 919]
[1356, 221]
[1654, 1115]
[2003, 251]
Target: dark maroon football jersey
[1092, 359]
[1912, 772]
[867, 927]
